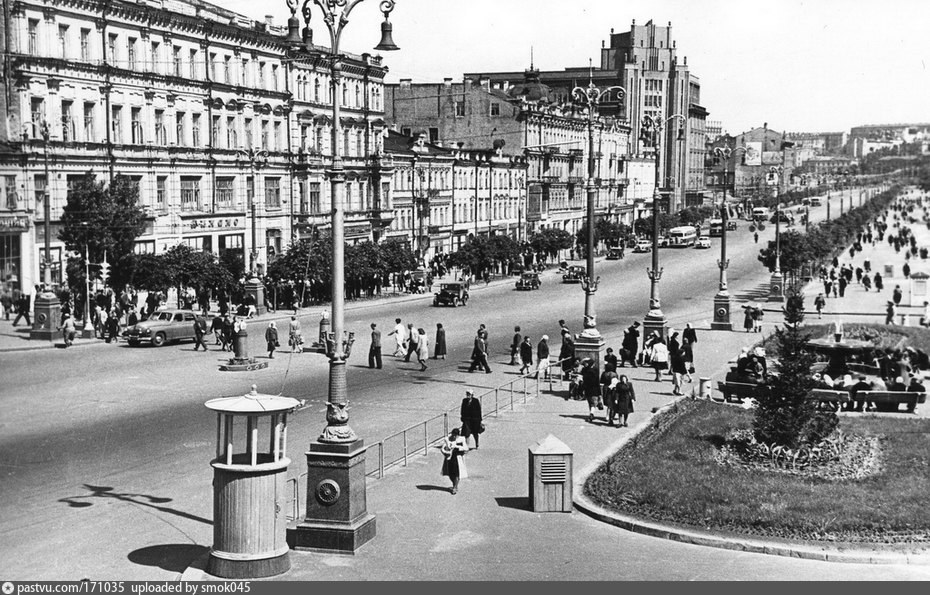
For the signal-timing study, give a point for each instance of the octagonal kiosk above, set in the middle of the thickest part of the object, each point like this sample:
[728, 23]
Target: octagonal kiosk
[249, 493]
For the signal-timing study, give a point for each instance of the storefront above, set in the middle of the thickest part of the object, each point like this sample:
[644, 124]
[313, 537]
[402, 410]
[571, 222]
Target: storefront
[13, 230]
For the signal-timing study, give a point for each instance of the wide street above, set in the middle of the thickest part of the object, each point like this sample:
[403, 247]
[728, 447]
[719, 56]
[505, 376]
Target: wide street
[105, 449]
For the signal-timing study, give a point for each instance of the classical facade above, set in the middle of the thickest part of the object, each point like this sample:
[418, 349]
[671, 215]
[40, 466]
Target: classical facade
[526, 120]
[644, 61]
[224, 126]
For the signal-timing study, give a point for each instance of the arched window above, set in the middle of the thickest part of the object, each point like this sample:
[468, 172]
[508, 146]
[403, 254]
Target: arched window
[358, 96]
[345, 94]
[316, 89]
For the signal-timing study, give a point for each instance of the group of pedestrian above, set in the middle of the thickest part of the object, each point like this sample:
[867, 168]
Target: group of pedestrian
[409, 341]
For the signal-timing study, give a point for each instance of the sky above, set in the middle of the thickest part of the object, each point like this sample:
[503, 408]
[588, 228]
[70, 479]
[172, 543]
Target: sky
[800, 66]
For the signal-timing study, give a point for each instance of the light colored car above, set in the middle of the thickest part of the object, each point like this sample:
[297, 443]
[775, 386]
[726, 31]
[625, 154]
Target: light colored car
[702, 242]
[642, 246]
[161, 327]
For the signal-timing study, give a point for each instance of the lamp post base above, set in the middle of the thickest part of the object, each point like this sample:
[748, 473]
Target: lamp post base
[46, 314]
[722, 312]
[776, 288]
[591, 345]
[337, 517]
[255, 289]
[655, 322]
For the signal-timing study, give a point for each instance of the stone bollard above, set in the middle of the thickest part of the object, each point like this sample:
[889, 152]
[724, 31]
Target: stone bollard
[705, 388]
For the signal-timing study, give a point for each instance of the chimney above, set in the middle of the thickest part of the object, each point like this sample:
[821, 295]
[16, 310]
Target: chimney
[447, 82]
[269, 20]
[405, 83]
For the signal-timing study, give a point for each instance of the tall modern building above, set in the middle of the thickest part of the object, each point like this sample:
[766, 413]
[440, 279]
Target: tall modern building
[645, 62]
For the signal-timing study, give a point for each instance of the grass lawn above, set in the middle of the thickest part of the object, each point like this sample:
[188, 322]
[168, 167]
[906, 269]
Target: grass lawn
[673, 476]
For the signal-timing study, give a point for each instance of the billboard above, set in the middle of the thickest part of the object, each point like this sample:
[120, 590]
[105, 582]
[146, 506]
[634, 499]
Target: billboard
[754, 153]
[534, 199]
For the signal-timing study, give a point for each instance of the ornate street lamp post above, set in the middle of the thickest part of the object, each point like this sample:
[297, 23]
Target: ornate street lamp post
[337, 518]
[253, 285]
[589, 343]
[721, 320]
[47, 308]
[776, 282]
[651, 133]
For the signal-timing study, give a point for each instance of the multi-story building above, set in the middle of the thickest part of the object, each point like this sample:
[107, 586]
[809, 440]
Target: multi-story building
[223, 125]
[526, 120]
[816, 144]
[767, 164]
[644, 61]
[442, 196]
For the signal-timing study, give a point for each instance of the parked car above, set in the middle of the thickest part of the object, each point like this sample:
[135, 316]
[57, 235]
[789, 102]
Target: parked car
[528, 281]
[574, 274]
[664, 242]
[451, 294]
[785, 218]
[161, 327]
[703, 242]
[643, 246]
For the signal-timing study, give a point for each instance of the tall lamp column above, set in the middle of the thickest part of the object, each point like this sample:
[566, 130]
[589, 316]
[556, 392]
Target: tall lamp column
[589, 343]
[47, 308]
[777, 281]
[253, 285]
[651, 133]
[337, 517]
[721, 320]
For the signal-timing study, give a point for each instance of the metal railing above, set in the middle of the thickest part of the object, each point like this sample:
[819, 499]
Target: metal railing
[400, 447]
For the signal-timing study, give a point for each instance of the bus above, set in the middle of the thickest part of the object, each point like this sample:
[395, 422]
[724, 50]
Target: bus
[716, 228]
[761, 214]
[816, 201]
[679, 237]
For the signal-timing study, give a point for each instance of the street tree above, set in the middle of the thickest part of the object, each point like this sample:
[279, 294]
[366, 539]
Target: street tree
[549, 241]
[103, 220]
[643, 225]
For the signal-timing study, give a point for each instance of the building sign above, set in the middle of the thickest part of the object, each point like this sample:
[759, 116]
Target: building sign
[534, 198]
[202, 224]
[14, 223]
[754, 153]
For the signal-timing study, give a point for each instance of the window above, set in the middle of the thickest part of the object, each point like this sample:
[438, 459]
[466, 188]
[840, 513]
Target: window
[278, 137]
[261, 75]
[192, 62]
[131, 52]
[215, 130]
[345, 143]
[85, 44]
[40, 185]
[358, 145]
[34, 37]
[144, 247]
[318, 140]
[304, 130]
[135, 116]
[315, 206]
[190, 193]
[89, 125]
[272, 193]
[156, 57]
[316, 90]
[161, 192]
[434, 135]
[117, 122]
[227, 69]
[460, 109]
[265, 134]
[161, 135]
[67, 124]
[232, 139]
[195, 130]
[37, 107]
[495, 108]
[111, 47]
[212, 66]
[11, 196]
[358, 96]
[245, 72]
[248, 133]
[348, 197]
[62, 41]
[179, 136]
[176, 58]
[385, 195]
[345, 94]
[274, 77]
[224, 192]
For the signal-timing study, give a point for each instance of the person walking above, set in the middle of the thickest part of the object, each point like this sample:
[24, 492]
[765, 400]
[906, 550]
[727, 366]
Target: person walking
[624, 399]
[687, 349]
[422, 349]
[867, 283]
[748, 323]
[542, 357]
[22, 309]
[567, 354]
[689, 334]
[271, 338]
[112, 327]
[630, 345]
[227, 336]
[842, 285]
[453, 447]
[294, 337]
[68, 331]
[896, 295]
[374, 351]
[526, 355]
[412, 338]
[216, 327]
[479, 354]
[6, 300]
[889, 313]
[608, 384]
[878, 281]
[515, 345]
[400, 336]
[440, 349]
[200, 331]
[659, 357]
[679, 368]
[471, 417]
[590, 384]
[819, 302]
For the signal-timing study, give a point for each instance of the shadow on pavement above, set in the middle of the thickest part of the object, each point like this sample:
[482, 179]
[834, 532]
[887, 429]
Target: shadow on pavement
[515, 502]
[173, 557]
[431, 488]
[107, 492]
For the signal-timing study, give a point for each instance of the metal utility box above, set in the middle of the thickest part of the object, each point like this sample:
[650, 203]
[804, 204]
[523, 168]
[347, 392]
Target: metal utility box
[550, 471]
[889, 271]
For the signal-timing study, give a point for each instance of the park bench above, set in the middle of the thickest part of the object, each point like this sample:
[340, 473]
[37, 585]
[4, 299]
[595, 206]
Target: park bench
[830, 399]
[892, 400]
[737, 391]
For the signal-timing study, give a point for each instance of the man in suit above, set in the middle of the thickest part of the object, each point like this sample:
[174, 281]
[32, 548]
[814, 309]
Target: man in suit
[413, 342]
[374, 352]
[471, 417]
[479, 355]
[200, 331]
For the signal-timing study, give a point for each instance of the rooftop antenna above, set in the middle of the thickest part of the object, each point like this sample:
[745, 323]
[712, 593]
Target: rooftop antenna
[531, 57]
[591, 70]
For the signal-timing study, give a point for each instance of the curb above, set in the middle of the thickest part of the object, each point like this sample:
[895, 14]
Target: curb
[710, 539]
[47, 345]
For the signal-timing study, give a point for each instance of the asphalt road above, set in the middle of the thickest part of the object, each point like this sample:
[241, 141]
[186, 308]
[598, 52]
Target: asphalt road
[105, 449]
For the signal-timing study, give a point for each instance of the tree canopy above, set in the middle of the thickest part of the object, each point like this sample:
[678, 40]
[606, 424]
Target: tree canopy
[548, 241]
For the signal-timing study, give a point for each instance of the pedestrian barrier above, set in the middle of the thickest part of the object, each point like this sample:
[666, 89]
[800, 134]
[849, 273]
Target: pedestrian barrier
[417, 439]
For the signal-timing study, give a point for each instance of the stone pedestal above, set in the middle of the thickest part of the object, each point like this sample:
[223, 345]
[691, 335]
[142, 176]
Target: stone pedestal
[255, 289]
[46, 315]
[776, 288]
[722, 312]
[655, 322]
[337, 517]
[591, 345]
[241, 362]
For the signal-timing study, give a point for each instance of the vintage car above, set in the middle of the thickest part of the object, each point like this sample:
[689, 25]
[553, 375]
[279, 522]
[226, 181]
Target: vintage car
[574, 274]
[732, 225]
[615, 253]
[785, 218]
[703, 242]
[161, 327]
[451, 294]
[528, 281]
[643, 246]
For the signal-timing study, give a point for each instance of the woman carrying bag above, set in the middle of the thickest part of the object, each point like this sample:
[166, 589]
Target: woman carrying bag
[453, 465]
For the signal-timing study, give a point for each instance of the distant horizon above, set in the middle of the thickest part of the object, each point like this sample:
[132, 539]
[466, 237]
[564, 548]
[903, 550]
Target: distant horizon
[830, 65]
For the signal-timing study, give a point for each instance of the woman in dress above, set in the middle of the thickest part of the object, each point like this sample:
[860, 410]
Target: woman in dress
[687, 348]
[526, 353]
[542, 357]
[679, 368]
[440, 342]
[625, 395]
[567, 354]
[659, 358]
[748, 323]
[453, 465]
[271, 338]
[294, 337]
[422, 349]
